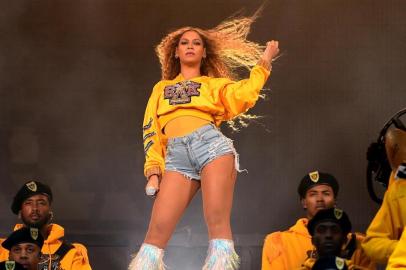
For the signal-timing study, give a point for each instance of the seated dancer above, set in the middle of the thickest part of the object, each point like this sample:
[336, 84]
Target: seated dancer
[329, 229]
[32, 204]
[24, 246]
[288, 249]
[386, 228]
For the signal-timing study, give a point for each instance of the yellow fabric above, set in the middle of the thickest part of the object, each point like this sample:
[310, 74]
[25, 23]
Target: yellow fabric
[183, 125]
[289, 249]
[3, 251]
[75, 259]
[387, 226]
[359, 258]
[398, 258]
[212, 99]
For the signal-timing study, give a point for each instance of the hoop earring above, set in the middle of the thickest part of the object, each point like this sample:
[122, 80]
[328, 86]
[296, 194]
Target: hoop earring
[51, 216]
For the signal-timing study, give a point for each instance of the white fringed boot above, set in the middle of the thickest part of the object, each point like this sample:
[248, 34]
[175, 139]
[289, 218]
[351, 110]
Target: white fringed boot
[149, 257]
[221, 255]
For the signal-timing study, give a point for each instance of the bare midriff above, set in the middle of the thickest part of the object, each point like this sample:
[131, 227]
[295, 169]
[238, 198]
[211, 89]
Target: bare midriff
[183, 125]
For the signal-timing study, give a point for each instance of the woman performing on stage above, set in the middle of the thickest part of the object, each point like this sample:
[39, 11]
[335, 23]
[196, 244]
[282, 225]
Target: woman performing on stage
[184, 148]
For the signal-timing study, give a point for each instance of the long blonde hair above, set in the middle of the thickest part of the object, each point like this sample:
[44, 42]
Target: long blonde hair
[227, 48]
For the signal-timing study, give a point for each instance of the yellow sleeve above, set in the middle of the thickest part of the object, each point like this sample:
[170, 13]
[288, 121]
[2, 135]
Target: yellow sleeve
[380, 240]
[359, 258]
[3, 252]
[153, 138]
[76, 258]
[398, 258]
[81, 259]
[308, 264]
[238, 97]
[271, 253]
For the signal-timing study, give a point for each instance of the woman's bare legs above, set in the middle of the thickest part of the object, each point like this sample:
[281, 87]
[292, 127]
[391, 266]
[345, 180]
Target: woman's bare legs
[218, 180]
[175, 194]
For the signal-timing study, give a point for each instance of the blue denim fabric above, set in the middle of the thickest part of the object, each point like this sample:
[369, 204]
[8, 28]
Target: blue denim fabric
[189, 154]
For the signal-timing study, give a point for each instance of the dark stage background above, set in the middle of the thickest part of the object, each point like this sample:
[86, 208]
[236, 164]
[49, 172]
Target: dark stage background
[75, 77]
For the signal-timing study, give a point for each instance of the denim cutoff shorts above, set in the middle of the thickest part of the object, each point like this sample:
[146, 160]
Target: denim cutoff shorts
[189, 154]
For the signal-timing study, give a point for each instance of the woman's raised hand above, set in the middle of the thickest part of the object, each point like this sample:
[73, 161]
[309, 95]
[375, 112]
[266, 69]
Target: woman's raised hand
[271, 50]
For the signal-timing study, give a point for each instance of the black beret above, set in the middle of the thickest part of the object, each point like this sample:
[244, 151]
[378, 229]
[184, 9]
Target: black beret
[331, 214]
[317, 178]
[330, 263]
[24, 235]
[11, 265]
[29, 189]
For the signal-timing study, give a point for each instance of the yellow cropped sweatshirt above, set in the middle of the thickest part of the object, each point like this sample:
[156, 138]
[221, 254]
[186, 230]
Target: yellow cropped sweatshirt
[212, 99]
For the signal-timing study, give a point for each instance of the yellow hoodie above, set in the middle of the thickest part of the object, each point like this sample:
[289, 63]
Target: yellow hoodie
[74, 259]
[289, 249]
[387, 226]
[398, 258]
[212, 99]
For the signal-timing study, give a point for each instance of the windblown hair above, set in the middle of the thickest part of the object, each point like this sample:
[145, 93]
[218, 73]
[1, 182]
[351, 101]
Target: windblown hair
[227, 49]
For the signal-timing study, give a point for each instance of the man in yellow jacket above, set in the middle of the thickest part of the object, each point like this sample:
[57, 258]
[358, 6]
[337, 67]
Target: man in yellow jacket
[329, 229]
[24, 246]
[386, 228]
[287, 250]
[32, 204]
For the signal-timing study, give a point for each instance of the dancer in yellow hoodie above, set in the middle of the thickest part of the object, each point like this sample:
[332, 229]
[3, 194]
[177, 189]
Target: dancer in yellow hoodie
[32, 204]
[24, 247]
[386, 228]
[287, 250]
[329, 229]
[185, 150]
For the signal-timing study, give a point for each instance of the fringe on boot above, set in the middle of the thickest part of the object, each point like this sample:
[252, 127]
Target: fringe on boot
[149, 257]
[221, 255]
